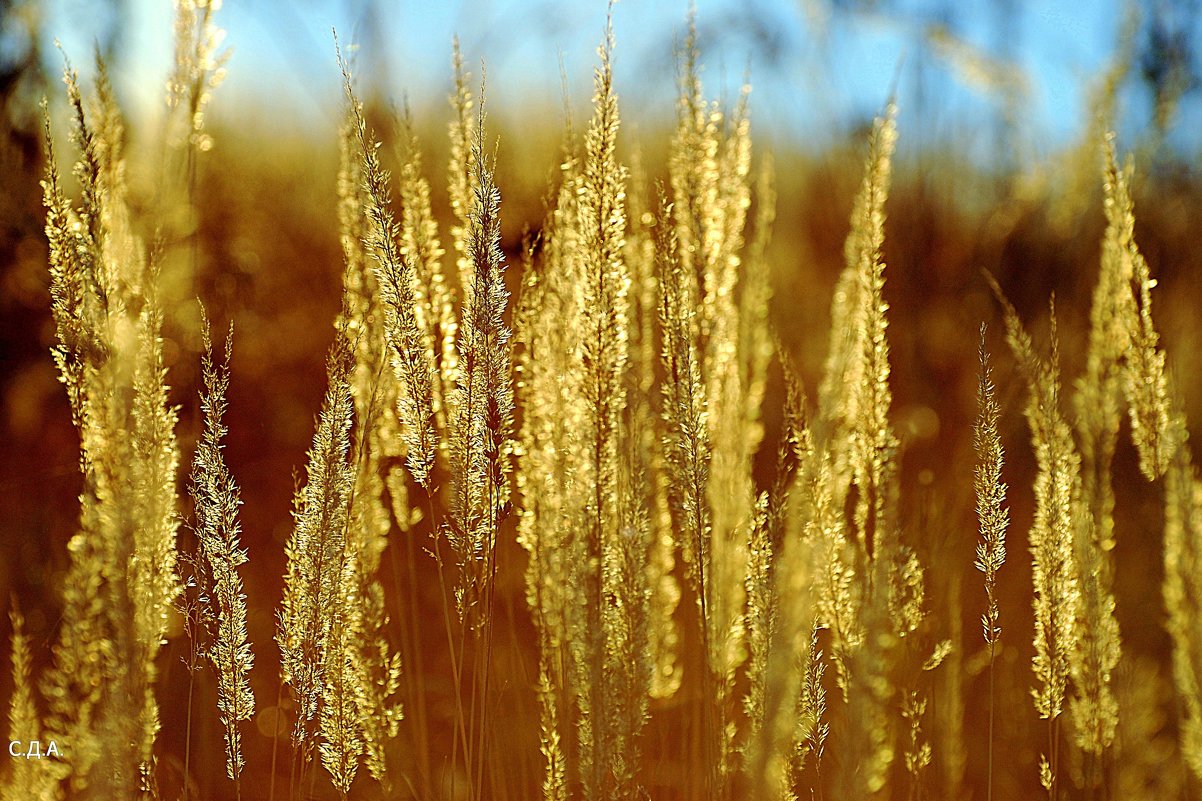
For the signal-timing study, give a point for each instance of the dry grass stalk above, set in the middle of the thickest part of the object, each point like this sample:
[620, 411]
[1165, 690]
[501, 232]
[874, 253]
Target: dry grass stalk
[872, 590]
[549, 394]
[314, 584]
[1053, 538]
[761, 627]
[993, 518]
[396, 279]
[1182, 591]
[812, 725]
[871, 442]
[122, 582]
[198, 69]
[483, 399]
[217, 499]
[756, 337]
[397, 411]
[709, 166]
[419, 234]
[340, 725]
[1099, 403]
[555, 780]
[79, 290]
[612, 671]
[686, 438]
[336, 658]
[1159, 432]
[461, 172]
[785, 704]
[583, 463]
[29, 779]
[1144, 378]
[643, 421]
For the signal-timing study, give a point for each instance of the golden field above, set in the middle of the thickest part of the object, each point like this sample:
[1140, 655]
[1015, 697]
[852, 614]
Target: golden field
[445, 460]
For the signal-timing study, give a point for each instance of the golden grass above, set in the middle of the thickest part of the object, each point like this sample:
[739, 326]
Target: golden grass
[216, 501]
[789, 635]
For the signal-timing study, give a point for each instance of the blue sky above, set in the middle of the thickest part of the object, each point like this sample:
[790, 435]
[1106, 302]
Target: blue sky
[818, 69]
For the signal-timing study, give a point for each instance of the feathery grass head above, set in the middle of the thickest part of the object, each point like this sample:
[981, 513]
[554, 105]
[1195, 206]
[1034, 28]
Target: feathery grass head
[992, 514]
[313, 582]
[199, 68]
[483, 399]
[1054, 530]
[217, 499]
[122, 584]
[603, 296]
[461, 172]
[395, 276]
[1057, 496]
[28, 778]
[1145, 378]
[420, 243]
[686, 439]
[1182, 589]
